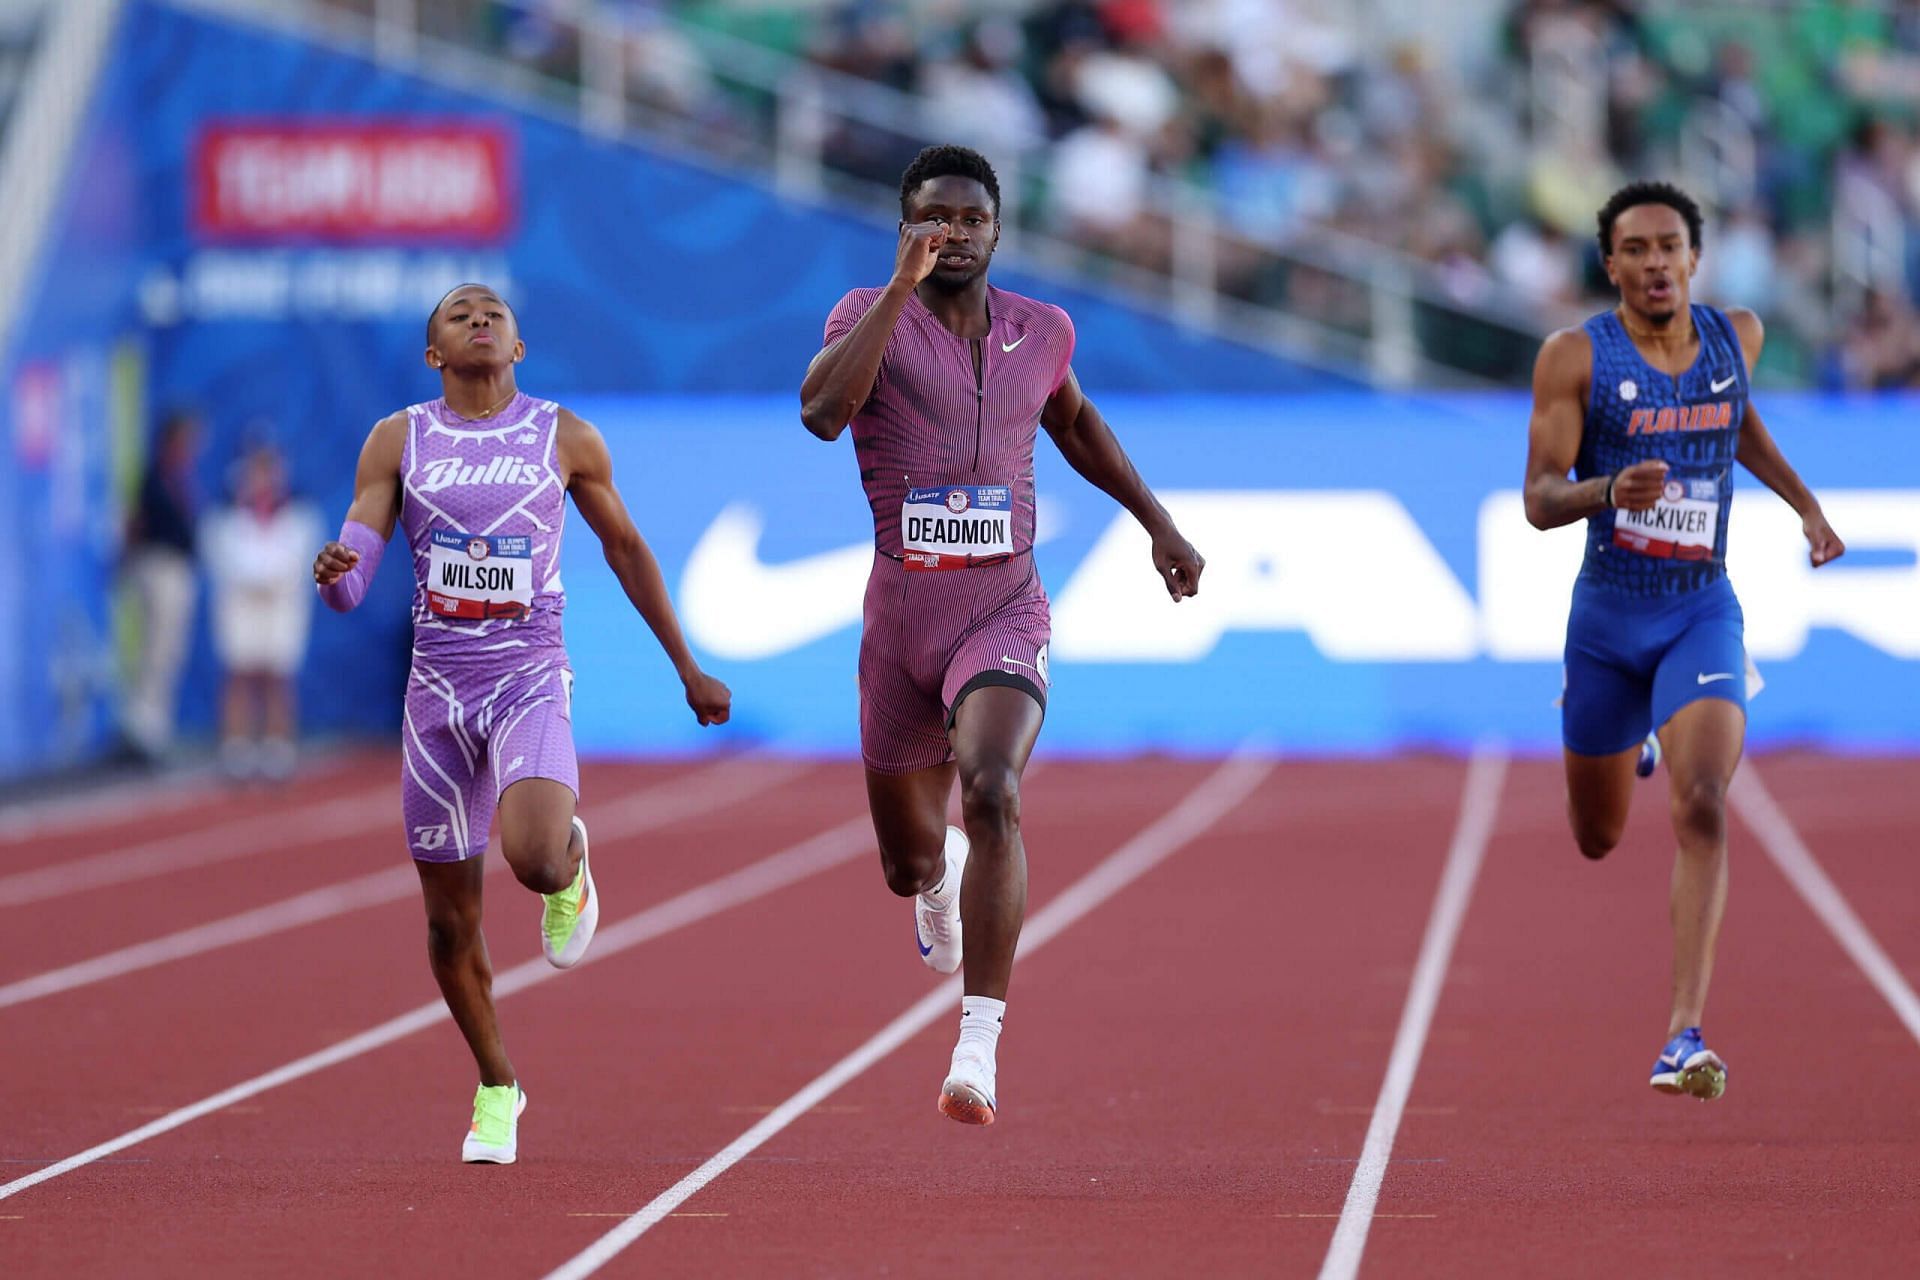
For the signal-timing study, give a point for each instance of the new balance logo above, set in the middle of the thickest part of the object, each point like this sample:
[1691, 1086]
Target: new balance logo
[444, 473]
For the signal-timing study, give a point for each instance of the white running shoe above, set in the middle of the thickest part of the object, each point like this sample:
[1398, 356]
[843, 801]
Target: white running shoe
[495, 1135]
[569, 917]
[937, 931]
[967, 1095]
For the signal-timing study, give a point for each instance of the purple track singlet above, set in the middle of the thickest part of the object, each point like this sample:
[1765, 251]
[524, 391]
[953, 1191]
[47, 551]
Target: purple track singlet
[946, 459]
[489, 699]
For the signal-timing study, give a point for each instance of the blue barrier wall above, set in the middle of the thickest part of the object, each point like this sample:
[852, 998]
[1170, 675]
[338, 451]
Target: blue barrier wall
[633, 273]
[1371, 584]
[70, 424]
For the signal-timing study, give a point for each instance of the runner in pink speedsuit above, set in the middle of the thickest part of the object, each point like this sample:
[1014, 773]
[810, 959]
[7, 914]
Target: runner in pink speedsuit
[945, 381]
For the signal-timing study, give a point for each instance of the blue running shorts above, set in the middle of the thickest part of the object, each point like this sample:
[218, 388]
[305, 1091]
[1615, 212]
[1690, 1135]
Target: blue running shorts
[1631, 663]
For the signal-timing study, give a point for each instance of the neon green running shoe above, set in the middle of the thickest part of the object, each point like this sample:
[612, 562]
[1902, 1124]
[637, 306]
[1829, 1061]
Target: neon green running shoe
[571, 915]
[495, 1135]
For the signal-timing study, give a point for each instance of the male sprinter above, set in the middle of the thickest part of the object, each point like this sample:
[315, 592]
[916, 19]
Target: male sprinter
[478, 480]
[1647, 406]
[945, 379]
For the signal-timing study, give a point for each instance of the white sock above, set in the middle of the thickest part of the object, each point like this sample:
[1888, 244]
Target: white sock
[980, 1022]
[940, 897]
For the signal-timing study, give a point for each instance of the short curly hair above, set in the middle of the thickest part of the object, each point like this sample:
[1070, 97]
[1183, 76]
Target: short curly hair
[1637, 193]
[948, 162]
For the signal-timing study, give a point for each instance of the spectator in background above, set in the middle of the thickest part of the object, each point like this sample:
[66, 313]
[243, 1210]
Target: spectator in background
[989, 105]
[1743, 268]
[257, 565]
[1099, 187]
[1882, 346]
[159, 573]
[1535, 261]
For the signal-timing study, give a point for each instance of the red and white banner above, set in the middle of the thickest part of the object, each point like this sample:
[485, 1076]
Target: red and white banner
[353, 180]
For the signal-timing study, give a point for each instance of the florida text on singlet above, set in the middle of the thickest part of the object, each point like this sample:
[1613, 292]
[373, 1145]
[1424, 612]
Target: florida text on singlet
[1691, 421]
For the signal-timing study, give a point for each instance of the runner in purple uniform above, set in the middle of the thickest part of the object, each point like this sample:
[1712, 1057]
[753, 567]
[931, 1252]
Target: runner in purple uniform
[478, 481]
[945, 381]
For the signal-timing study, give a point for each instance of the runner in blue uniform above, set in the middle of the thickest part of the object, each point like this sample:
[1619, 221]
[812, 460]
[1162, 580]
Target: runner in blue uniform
[1647, 406]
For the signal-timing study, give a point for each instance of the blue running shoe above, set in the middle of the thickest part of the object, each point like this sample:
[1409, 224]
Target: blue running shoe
[1687, 1066]
[1649, 756]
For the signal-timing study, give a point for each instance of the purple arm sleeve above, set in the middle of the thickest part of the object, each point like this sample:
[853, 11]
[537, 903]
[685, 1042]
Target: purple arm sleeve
[346, 593]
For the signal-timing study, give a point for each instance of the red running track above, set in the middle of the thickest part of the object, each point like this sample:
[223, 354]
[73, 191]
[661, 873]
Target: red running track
[1187, 1075]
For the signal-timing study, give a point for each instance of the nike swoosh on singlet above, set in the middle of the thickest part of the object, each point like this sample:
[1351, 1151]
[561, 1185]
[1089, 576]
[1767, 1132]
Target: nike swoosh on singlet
[1008, 346]
[1703, 678]
[1718, 387]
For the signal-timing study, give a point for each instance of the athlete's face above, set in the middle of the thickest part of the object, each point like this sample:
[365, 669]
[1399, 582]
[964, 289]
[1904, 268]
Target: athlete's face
[963, 206]
[1653, 260]
[474, 332]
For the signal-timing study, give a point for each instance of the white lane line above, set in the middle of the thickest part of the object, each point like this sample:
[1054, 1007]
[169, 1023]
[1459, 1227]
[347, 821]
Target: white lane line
[1479, 804]
[373, 809]
[1222, 790]
[1756, 807]
[63, 815]
[66, 812]
[642, 811]
[263, 833]
[277, 917]
[776, 871]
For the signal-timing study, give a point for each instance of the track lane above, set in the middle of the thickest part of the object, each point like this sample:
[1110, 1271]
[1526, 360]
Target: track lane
[720, 1017]
[1857, 816]
[1538, 1146]
[283, 856]
[1175, 1074]
[107, 1056]
[31, 838]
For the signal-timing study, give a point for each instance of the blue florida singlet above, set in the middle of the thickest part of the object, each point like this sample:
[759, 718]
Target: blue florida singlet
[1691, 421]
[1654, 623]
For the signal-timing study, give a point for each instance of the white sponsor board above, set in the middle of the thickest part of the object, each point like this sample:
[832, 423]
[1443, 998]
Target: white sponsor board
[1350, 570]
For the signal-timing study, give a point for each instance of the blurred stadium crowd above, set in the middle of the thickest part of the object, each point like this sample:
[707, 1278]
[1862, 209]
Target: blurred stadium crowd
[1481, 159]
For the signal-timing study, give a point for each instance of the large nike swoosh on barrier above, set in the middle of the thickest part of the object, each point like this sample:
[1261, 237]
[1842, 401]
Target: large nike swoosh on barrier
[737, 606]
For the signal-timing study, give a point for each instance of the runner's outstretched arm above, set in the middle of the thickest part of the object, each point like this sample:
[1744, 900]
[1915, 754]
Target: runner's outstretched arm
[1758, 453]
[345, 566]
[841, 377]
[589, 469]
[1560, 375]
[1088, 444]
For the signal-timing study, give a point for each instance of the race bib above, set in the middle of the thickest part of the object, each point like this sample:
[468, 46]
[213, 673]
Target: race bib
[1680, 526]
[954, 526]
[473, 575]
